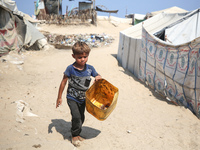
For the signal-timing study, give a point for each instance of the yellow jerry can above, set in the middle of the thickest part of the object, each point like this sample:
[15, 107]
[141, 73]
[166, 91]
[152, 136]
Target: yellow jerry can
[101, 99]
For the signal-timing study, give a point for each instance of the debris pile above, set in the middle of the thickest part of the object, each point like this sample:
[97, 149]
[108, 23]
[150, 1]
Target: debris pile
[67, 41]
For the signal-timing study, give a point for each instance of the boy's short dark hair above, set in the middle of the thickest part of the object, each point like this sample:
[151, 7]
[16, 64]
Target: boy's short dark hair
[80, 48]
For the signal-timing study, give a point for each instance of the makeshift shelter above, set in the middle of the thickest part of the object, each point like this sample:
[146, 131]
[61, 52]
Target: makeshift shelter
[136, 18]
[168, 10]
[85, 5]
[51, 6]
[130, 39]
[172, 67]
[15, 30]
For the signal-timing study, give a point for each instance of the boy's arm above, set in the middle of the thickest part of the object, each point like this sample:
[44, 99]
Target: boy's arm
[98, 77]
[61, 88]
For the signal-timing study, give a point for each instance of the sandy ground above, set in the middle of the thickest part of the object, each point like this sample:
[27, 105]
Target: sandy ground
[142, 120]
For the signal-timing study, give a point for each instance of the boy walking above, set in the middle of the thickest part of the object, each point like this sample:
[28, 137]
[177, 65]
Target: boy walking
[78, 77]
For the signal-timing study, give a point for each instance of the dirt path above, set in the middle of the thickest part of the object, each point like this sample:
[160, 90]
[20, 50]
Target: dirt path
[141, 120]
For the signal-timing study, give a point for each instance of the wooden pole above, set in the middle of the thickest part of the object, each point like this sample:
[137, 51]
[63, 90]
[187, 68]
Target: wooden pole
[58, 6]
[93, 4]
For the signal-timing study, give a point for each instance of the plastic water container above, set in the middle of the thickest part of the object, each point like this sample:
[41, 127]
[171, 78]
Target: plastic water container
[101, 99]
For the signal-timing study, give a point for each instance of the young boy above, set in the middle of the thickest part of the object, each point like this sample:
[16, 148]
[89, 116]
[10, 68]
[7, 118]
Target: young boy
[78, 77]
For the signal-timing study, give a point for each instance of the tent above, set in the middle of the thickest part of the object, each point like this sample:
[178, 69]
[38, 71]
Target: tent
[15, 30]
[136, 18]
[164, 53]
[172, 66]
[130, 39]
[169, 10]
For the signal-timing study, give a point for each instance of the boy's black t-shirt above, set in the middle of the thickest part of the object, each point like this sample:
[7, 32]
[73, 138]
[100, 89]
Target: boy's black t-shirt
[79, 81]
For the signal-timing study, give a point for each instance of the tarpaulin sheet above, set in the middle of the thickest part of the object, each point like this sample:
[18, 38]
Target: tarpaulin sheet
[8, 33]
[15, 30]
[171, 70]
[184, 30]
[130, 40]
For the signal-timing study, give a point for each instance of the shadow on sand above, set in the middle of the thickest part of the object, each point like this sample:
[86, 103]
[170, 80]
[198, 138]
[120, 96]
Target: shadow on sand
[64, 128]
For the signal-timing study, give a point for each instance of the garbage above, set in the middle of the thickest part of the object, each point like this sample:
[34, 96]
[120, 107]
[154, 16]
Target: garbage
[14, 59]
[128, 131]
[67, 41]
[23, 110]
[37, 145]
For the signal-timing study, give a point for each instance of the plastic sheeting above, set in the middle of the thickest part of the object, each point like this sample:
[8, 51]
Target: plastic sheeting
[173, 71]
[11, 6]
[52, 6]
[8, 33]
[15, 30]
[185, 30]
[130, 39]
[169, 10]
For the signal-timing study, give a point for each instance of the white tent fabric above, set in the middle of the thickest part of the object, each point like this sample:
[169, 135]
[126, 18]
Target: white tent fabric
[139, 16]
[11, 6]
[130, 39]
[172, 70]
[169, 10]
[16, 32]
[187, 29]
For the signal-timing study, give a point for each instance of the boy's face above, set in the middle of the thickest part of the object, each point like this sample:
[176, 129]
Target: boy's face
[81, 59]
